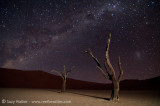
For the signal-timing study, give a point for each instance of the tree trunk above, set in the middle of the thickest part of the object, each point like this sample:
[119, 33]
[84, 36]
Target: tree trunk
[64, 85]
[115, 91]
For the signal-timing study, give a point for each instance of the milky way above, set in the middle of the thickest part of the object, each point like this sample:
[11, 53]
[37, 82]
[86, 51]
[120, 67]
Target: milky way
[47, 34]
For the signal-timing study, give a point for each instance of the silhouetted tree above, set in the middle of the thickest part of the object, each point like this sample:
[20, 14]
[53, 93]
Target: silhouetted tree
[63, 76]
[110, 73]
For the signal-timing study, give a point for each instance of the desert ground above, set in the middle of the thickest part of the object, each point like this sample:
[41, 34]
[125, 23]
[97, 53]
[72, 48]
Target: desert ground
[51, 97]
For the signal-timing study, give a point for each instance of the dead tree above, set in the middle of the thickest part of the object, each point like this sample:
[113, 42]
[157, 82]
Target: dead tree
[63, 76]
[110, 72]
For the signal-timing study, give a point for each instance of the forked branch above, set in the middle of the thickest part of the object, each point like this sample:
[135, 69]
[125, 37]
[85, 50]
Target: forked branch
[59, 73]
[70, 70]
[120, 69]
[94, 58]
[103, 73]
[97, 62]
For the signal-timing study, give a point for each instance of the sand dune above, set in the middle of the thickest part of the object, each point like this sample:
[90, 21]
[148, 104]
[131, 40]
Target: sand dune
[10, 78]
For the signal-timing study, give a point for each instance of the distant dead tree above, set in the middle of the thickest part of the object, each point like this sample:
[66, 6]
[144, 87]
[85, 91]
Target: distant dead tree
[110, 73]
[63, 76]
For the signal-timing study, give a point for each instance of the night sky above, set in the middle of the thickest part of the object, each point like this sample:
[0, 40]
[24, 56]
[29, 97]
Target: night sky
[47, 34]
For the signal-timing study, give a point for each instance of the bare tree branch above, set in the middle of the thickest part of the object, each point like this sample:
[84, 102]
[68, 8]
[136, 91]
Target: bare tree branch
[107, 56]
[93, 57]
[97, 62]
[103, 73]
[120, 69]
[70, 70]
[59, 73]
[63, 74]
[107, 70]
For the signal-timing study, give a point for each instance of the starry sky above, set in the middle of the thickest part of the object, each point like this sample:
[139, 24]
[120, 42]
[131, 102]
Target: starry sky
[47, 34]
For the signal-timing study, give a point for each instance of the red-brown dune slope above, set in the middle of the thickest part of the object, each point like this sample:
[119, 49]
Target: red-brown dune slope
[11, 78]
[38, 79]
